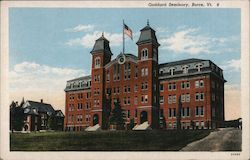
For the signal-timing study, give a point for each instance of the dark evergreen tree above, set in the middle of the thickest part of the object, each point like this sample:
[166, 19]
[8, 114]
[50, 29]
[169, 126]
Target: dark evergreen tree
[52, 122]
[118, 116]
[17, 117]
[131, 123]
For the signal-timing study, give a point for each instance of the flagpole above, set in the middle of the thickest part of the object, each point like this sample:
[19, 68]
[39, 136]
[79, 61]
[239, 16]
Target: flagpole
[123, 41]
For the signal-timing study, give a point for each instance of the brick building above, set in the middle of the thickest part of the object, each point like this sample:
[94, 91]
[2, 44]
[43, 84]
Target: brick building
[185, 94]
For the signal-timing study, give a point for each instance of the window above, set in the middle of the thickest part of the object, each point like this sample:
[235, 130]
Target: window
[199, 111]
[144, 54]
[128, 113]
[146, 71]
[183, 98]
[142, 99]
[174, 99]
[188, 97]
[174, 112]
[136, 100]
[201, 96]
[201, 83]
[197, 84]
[136, 88]
[182, 85]
[128, 101]
[183, 112]
[185, 69]
[146, 98]
[97, 62]
[170, 87]
[136, 72]
[187, 112]
[169, 112]
[161, 99]
[169, 99]
[161, 87]
[171, 70]
[197, 97]
[196, 111]
[188, 85]
[124, 100]
[199, 66]
[128, 88]
[142, 72]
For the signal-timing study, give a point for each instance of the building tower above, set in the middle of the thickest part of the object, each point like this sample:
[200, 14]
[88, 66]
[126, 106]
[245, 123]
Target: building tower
[148, 67]
[101, 55]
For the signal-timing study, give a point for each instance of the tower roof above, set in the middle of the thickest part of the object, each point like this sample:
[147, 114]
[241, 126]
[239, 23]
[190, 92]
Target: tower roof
[147, 35]
[101, 45]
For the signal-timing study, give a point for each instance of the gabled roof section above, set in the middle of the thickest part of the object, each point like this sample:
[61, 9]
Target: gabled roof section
[128, 56]
[147, 35]
[34, 107]
[101, 45]
[59, 113]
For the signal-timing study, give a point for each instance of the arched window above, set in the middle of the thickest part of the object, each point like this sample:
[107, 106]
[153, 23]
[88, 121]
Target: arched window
[185, 69]
[97, 62]
[199, 66]
[144, 54]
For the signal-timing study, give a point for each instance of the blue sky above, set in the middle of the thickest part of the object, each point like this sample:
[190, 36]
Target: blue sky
[54, 43]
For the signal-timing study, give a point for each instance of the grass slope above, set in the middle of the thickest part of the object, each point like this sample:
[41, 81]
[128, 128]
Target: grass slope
[169, 140]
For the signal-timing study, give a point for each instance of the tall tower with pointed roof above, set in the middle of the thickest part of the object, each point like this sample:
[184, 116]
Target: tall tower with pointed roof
[148, 62]
[101, 55]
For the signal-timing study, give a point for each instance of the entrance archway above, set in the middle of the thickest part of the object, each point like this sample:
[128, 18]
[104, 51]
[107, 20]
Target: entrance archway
[95, 119]
[143, 117]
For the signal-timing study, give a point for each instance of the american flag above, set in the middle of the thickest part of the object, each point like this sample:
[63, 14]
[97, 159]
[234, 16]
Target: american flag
[128, 31]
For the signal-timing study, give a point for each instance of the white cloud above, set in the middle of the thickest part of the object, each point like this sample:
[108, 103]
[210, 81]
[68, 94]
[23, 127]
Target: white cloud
[30, 76]
[81, 28]
[186, 41]
[193, 41]
[88, 40]
[232, 65]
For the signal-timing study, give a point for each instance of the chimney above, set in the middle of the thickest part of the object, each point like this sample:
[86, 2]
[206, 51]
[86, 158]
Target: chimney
[41, 100]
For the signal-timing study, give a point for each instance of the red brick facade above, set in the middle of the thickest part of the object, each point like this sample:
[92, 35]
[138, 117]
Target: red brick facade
[171, 95]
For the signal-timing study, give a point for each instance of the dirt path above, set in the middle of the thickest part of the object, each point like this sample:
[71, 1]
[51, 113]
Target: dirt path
[228, 139]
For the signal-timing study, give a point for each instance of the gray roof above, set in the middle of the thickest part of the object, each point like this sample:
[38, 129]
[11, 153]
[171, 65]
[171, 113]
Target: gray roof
[101, 45]
[78, 83]
[33, 107]
[207, 67]
[59, 113]
[147, 35]
[88, 77]
[180, 62]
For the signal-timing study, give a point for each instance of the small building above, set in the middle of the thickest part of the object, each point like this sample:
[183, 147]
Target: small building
[41, 116]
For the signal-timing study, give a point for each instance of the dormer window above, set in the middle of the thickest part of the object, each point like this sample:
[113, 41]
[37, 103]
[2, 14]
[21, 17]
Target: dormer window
[171, 70]
[199, 66]
[97, 62]
[144, 54]
[185, 69]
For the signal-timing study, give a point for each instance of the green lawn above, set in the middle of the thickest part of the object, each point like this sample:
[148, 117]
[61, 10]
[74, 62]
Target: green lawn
[169, 140]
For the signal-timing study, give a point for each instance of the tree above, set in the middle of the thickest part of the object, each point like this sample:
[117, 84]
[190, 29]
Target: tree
[131, 123]
[17, 117]
[117, 116]
[52, 121]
